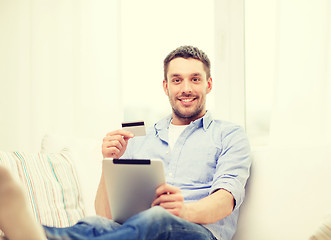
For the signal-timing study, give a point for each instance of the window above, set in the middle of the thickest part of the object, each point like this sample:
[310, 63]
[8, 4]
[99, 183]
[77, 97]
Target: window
[260, 43]
[147, 36]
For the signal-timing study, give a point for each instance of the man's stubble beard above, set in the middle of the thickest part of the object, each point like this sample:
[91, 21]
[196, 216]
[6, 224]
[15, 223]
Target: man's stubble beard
[187, 116]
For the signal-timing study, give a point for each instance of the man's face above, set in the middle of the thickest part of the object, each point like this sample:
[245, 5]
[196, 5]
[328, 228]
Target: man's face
[187, 86]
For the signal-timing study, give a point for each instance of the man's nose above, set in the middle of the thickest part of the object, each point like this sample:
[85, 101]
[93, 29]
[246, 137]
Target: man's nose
[186, 86]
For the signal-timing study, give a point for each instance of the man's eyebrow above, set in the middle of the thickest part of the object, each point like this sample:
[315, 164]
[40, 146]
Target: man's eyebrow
[193, 74]
[175, 75]
[196, 74]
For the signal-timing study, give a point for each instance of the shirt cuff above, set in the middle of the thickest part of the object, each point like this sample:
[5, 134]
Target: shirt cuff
[235, 188]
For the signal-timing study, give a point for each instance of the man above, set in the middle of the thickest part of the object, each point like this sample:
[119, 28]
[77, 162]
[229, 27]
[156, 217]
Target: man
[206, 164]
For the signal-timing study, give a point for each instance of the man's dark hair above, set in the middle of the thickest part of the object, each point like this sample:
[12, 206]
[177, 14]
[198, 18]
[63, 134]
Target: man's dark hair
[187, 52]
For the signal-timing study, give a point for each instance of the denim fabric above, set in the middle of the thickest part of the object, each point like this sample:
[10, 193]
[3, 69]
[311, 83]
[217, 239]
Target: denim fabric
[153, 224]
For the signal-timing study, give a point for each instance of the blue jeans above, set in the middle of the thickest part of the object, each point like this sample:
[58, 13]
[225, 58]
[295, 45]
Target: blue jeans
[152, 224]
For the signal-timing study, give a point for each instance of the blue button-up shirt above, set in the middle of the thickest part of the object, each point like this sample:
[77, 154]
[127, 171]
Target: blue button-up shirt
[208, 155]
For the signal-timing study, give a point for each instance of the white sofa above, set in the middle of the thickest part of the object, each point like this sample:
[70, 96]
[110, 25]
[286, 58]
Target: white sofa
[287, 194]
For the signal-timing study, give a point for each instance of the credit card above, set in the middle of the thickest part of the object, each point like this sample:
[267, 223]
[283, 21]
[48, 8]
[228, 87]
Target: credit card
[137, 128]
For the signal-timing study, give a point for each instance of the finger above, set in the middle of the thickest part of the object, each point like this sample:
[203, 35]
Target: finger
[168, 198]
[174, 211]
[170, 205]
[174, 208]
[111, 152]
[156, 202]
[166, 189]
[123, 133]
[112, 137]
[114, 141]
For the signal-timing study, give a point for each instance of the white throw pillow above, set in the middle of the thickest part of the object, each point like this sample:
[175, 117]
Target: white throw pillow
[323, 232]
[50, 184]
[87, 159]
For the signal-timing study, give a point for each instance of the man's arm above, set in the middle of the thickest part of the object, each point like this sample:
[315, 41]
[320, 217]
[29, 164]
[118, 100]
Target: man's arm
[210, 209]
[101, 203]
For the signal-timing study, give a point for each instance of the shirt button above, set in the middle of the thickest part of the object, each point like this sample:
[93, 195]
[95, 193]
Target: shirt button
[170, 174]
[167, 152]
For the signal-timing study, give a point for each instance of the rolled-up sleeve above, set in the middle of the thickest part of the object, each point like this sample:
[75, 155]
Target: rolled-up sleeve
[233, 163]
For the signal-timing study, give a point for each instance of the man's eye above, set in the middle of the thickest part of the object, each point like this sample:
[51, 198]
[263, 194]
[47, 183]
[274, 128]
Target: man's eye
[196, 79]
[176, 80]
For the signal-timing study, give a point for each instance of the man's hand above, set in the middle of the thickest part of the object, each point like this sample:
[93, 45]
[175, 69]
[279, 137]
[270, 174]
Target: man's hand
[115, 143]
[210, 209]
[171, 199]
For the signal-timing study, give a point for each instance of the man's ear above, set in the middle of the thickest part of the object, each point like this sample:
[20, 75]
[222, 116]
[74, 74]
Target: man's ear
[165, 87]
[209, 85]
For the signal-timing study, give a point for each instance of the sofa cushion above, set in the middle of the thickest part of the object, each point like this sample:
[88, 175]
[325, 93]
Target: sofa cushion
[50, 183]
[86, 159]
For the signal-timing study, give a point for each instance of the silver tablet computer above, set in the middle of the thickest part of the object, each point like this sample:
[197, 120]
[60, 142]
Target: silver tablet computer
[131, 185]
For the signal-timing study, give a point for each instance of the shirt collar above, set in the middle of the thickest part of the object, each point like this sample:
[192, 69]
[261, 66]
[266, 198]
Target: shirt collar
[206, 120]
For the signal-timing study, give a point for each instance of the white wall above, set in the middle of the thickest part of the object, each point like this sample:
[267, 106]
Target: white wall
[147, 37]
[229, 65]
[260, 66]
[287, 57]
[79, 68]
[59, 70]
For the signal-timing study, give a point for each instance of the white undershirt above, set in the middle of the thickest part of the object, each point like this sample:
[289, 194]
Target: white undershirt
[174, 132]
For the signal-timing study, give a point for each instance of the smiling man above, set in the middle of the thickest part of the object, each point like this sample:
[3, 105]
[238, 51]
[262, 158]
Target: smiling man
[186, 84]
[206, 162]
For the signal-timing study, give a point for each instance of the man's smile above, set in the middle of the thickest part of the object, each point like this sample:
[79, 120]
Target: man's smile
[187, 100]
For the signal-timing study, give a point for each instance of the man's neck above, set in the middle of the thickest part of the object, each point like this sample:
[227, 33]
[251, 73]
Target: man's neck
[185, 121]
